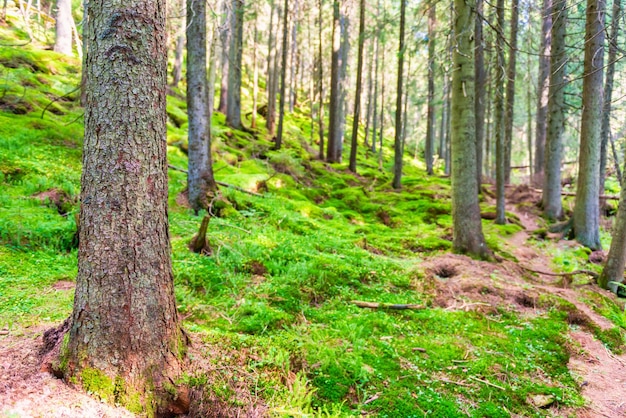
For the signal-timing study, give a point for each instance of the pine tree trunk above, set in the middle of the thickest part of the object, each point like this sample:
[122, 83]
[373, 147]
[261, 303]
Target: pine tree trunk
[64, 22]
[467, 227]
[271, 73]
[608, 91]
[369, 98]
[359, 78]
[255, 85]
[294, 63]
[499, 117]
[200, 181]
[510, 92]
[397, 164]
[587, 205]
[479, 99]
[283, 73]
[320, 71]
[225, 43]
[376, 72]
[334, 125]
[543, 83]
[430, 117]
[125, 342]
[233, 103]
[616, 260]
[551, 199]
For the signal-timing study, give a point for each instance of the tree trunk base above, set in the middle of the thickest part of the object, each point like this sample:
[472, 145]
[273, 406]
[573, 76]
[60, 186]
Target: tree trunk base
[199, 243]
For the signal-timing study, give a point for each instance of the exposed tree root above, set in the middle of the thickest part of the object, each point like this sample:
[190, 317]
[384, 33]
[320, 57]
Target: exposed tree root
[199, 243]
[376, 305]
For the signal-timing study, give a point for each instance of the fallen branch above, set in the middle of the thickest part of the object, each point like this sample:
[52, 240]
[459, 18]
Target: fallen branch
[444, 380]
[487, 383]
[221, 183]
[573, 273]
[564, 193]
[376, 305]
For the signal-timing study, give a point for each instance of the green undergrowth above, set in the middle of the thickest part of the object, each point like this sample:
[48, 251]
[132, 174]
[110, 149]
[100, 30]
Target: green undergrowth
[284, 268]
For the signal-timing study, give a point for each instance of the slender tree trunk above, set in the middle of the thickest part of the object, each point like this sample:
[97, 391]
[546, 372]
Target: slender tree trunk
[225, 42]
[618, 170]
[200, 181]
[320, 70]
[213, 62]
[467, 227]
[255, 64]
[125, 332]
[397, 166]
[271, 111]
[343, 78]
[357, 101]
[587, 205]
[499, 117]
[430, 117]
[376, 71]
[479, 100]
[271, 74]
[283, 73]
[443, 127]
[64, 21]
[509, 117]
[369, 98]
[233, 103]
[334, 130]
[608, 90]
[543, 81]
[294, 65]
[551, 199]
[177, 70]
[381, 129]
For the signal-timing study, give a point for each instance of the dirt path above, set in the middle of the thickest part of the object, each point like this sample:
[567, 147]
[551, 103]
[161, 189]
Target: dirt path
[601, 374]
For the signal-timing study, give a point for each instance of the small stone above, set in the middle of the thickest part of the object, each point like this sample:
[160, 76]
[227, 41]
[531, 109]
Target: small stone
[541, 401]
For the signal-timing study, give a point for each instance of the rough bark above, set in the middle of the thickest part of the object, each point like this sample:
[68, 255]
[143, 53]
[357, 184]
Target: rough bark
[64, 22]
[397, 164]
[334, 129]
[467, 228]
[376, 72]
[543, 81]
[551, 198]
[283, 76]
[429, 148]
[369, 98]
[509, 116]
[587, 205]
[125, 337]
[479, 99]
[294, 56]
[233, 102]
[200, 181]
[359, 82]
[499, 116]
[608, 90]
[255, 82]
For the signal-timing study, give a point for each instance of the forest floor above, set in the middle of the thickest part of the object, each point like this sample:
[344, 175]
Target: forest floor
[27, 389]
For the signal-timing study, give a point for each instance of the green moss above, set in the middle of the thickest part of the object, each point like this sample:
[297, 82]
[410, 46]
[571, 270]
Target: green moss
[97, 382]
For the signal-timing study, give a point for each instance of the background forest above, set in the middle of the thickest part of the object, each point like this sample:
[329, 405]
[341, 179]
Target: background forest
[381, 208]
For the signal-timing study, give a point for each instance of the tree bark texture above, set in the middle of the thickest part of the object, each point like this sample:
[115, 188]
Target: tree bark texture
[398, 140]
[200, 181]
[233, 103]
[509, 117]
[467, 227]
[320, 71]
[271, 74]
[608, 90]
[543, 82]
[499, 117]
[64, 22]
[551, 198]
[359, 83]
[587, 205]
[125, 329]
[481, 82]
[429, 149]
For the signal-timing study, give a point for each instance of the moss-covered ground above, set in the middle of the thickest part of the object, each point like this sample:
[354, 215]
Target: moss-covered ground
[275, 293]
